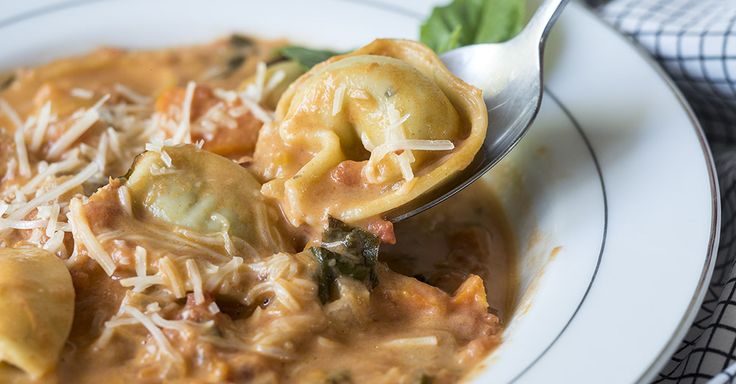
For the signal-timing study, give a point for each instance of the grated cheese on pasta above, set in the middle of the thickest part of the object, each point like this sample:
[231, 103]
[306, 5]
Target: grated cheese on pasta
[171, 272]
[131, 95]
[337, 99]
[88, 118]
[42, 123]
[54, 193]
[196, 281]
[24, 167]
[183, 131]
[83, 235]
[163, 343]
[82, 93]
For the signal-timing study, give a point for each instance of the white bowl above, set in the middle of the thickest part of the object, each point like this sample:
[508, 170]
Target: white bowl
[611, 194]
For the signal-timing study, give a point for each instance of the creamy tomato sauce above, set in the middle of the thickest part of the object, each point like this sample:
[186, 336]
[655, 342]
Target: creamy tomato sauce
[136, 170]
[467, 234]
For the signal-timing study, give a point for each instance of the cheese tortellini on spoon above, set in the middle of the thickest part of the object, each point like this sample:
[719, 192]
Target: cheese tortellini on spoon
[366, 132]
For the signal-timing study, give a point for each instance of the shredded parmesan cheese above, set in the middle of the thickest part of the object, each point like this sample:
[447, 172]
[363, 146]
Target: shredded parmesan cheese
[259, 113]
[42, 123]
[82, 93]
[22, 224]
[219, 116]
[359, 94]
[80, 126]
[428, 341]
[367, 143]
[53, 218]
[220, 273]
[141, 264]
[131, 95]
[225, 95]
[10, 170]
[167, 239]
[228, 243]
[56, 192]
[275, 80]
[394, 141]
[24, 167]
[405, 165]
[52, 170]
[119, 322]
[183, 131]
[168, 268]
[101, 155]
[125, 199]
[260, 80]
[155, 146]
[166, 159]
[163, 343]
[337, 99]
[179, 325]
[55, 243]
[196, 279]
[117, 150]
[141, 283]
[411, 145]
[83, 235]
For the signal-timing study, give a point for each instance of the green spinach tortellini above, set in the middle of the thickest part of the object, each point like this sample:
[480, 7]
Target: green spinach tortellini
[363, 133]
[204, 192]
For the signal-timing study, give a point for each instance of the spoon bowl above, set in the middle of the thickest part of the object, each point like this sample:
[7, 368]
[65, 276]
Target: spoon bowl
[510, 76]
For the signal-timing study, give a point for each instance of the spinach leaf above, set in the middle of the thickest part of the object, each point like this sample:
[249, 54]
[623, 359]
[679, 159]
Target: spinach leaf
[240, 41]
[465, 22]
[345, 251]
[6, 81]
[306, 57]
[342, 377]
[348, 240]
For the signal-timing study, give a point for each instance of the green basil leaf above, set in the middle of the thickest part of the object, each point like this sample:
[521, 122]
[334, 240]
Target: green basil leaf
[465, 22]
[345, 251]
[306, 57]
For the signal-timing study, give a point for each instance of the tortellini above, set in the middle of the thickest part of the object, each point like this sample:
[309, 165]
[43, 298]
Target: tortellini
[366, 132]
[37, 302]
[204, 192]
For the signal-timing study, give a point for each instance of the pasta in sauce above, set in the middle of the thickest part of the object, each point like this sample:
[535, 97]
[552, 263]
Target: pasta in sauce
[355, 141]
[212, 214]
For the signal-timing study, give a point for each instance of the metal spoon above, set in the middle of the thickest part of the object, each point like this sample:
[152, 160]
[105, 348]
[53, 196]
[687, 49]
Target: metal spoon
[510, 75]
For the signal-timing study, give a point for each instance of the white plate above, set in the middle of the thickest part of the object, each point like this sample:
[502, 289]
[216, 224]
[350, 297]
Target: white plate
[615, 172]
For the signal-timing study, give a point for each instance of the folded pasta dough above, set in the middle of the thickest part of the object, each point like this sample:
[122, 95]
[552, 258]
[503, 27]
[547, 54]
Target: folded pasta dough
[366, 132]
[199, 190]
[37, 302]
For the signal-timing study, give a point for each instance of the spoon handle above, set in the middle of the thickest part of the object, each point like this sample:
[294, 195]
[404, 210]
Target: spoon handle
[543, 19]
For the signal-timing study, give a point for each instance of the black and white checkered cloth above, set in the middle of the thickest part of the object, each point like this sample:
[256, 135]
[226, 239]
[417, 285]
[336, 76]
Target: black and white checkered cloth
[695, 42]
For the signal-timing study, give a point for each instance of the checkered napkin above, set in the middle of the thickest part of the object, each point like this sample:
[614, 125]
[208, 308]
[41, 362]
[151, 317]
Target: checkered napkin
[695, 42]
